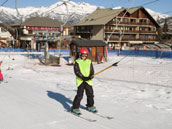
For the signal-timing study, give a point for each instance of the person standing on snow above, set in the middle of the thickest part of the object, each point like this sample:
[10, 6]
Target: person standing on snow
[84, 70]
[1, 76]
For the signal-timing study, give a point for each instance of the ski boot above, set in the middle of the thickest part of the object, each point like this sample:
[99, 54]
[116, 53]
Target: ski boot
[76, 111]
[92, 109]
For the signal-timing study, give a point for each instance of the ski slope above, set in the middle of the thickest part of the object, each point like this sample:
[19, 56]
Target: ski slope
[137, 93]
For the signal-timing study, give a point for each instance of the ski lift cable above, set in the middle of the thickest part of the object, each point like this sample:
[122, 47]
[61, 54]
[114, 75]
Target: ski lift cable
[123, 32]
[141, 5]
[64, 3]
[122, 17]
[121, 35]
[130, 7]
[61, 27]
[149, 2]
[103, 16]
[167, 12]
[4, 3]
[121, 2]
[49, 11]
[17, 8]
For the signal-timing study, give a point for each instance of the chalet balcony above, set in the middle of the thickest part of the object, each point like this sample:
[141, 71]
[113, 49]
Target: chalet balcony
[130, 23]
[144, 31]
[123, 39]
[122, 22]
[131, 39]
[117, 31]
[130, 31]
[149, 23]
[146, 39]
[108, 30]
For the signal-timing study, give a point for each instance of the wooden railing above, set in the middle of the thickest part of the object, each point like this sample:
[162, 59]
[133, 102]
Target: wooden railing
[129, 31]
[131, 39]
[131, 23]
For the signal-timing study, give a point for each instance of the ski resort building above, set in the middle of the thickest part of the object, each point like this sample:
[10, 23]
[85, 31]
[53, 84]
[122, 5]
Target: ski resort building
[35, 31]
[120, 28]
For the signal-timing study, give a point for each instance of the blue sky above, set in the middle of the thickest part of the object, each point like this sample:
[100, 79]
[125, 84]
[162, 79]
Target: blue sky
[161, 6]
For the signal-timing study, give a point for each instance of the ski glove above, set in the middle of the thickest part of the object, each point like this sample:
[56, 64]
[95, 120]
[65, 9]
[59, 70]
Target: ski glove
[85, 78]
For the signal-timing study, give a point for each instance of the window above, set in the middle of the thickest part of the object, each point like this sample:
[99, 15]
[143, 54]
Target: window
[132, 20]
[131, 29]
[125, 19]
[143, 20]
[131, 36]
[116, 36]
[142, 36]
[150, 36]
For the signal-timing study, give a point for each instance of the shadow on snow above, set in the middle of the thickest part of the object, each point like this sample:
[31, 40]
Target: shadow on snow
[66, 102]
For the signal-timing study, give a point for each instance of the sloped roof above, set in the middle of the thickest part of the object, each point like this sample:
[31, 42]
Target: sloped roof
[132, 10]
[167, 43]
[103, 16]
[88, 43]
[40, 21]
[162, 45]
[100, 17]
[152, 46]
[150, 16]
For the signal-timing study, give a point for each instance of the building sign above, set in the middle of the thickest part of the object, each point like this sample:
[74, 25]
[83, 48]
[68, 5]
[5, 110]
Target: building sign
[42, 28]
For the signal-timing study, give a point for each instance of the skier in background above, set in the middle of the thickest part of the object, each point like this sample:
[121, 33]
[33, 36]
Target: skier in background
[84, 70]
[1, 76]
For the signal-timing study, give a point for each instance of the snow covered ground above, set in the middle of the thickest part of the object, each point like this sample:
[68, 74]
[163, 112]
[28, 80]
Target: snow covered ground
[137, 93]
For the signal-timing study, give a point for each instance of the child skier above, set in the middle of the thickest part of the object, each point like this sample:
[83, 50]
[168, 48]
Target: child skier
[84, 70]
[1, 76]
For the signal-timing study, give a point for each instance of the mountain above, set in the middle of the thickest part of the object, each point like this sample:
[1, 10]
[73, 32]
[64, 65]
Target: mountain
[64, 11]
[168, 21]
[157, 15]
[61, 11]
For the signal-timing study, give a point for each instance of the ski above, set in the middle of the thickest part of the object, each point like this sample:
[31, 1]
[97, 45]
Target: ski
[103, 116]
[100, 115]
[82, 117]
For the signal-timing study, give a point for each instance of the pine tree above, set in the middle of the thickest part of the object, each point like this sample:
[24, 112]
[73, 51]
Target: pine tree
[159, 30]
[165, 29]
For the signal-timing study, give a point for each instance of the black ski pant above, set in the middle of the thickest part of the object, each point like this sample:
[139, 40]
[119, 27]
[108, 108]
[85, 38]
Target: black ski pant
[89, 92]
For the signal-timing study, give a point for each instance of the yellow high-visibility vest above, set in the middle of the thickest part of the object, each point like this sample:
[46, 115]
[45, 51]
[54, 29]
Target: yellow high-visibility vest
[84, 66]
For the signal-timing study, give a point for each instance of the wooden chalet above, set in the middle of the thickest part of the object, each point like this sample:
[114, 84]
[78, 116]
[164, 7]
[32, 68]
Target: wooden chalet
[121, 28]
[97, 49]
